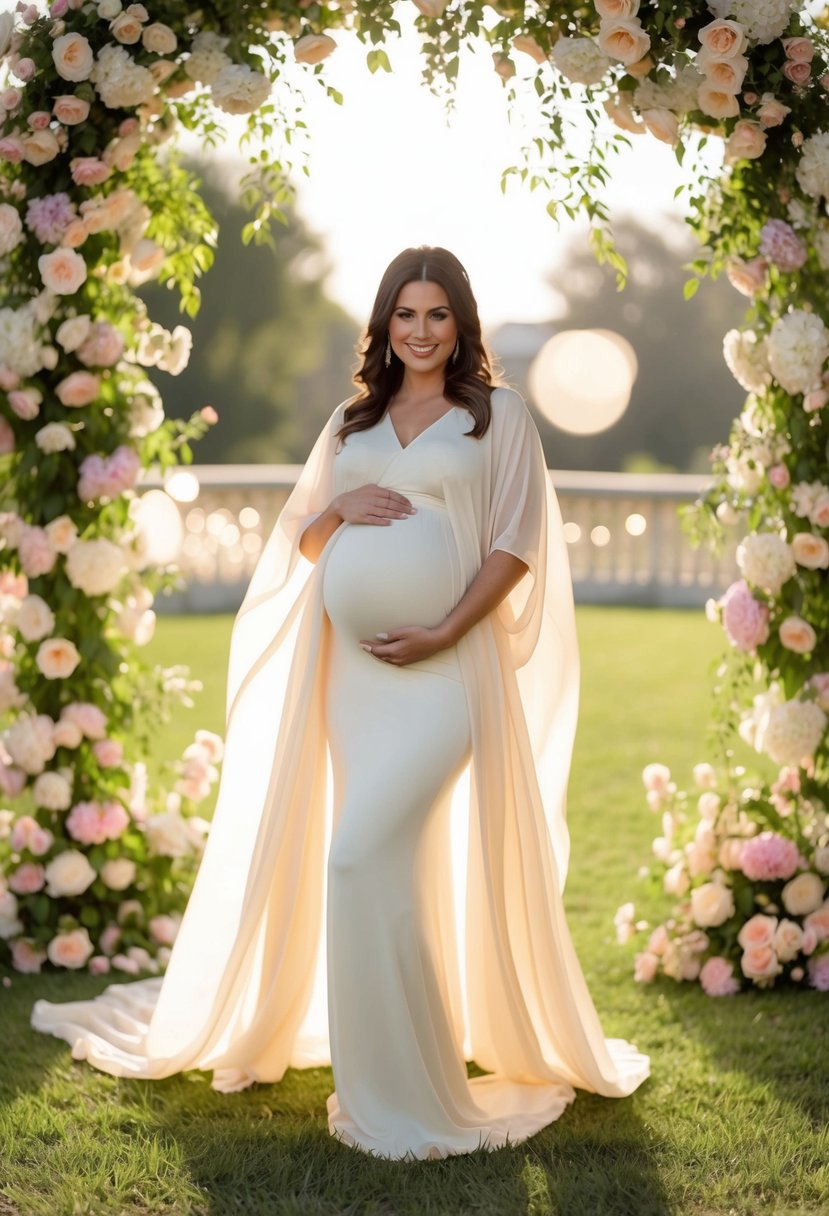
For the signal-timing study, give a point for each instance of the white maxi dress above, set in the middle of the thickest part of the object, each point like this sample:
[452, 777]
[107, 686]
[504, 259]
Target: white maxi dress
[381, 888]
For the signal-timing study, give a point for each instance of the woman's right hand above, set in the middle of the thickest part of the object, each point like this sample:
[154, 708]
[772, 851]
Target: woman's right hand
[366, 505]
[371, 504]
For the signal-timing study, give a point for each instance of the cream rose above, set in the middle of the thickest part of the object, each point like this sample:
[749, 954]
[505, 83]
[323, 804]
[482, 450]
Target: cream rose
[623, 40]
[159, 39]
[788, 940]
[663, 124]
[63, 271]
[711, 904]
[747, 141]
[70, 949]
[11, 228]
[57, 658]
[69, 874]
[52, 791]
[771, 112]
[70, 109]
[722, 38]
[40, 147]
[35, 619]
[810, 551]
[126, 29]
[616, 9]
[803, 894]
[55, 437]
[118, 873]
[73, 57]
[724, 74]
[313, 48]
[797, 635]
[62, 533]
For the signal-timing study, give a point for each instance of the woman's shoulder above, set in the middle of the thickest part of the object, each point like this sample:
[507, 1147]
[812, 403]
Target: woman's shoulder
[508, 405]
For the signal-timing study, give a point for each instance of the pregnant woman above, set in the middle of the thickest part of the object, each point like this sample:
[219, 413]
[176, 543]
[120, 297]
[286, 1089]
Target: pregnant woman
[382, 885]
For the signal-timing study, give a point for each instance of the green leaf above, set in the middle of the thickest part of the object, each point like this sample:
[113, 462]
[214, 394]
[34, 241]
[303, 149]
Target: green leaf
[691, 288]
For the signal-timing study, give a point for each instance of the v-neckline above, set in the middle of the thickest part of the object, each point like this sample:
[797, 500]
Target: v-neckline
[405, 447]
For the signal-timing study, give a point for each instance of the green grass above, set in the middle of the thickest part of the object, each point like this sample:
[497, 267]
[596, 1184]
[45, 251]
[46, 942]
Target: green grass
[733, 1119]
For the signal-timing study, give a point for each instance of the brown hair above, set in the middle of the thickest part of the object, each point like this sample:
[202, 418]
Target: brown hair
[469, 379]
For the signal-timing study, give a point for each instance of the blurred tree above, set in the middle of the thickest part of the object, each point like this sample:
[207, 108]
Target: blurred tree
[271, 352]
[684, 397]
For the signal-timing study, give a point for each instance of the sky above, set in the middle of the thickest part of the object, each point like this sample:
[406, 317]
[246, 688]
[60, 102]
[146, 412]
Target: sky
[387, 171]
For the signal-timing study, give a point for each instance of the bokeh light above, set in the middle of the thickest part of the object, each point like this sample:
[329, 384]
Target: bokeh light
[157, 516]
[581, 379]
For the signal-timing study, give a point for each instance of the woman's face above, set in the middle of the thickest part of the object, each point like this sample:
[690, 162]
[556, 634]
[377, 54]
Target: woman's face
[422, 326]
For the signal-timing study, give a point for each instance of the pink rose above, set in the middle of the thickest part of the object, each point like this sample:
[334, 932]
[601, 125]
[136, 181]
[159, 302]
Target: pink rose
[781, 245]
[163, 929]
[25, 402]
[26, 956]
[70, 949]
[10, 99]
[24, 69]
[815, 400]
[760, 963]
[70, 110]
[745, 619]
[209, 414]
[108, 752]
[779, 477]
[11, 149]
[27, 878]
[645, 967]
[758, 930]
[7, 441]
[102, 347]
[122, 963]
[798, 73]
[818, 968]
[12, 780]
[99, 964]
[800, 50]
[88, 170]
[767, 857]
[35, 550]
[39, 120]
[88, 717]
[78, 388]
[797, 635]
[818, 922]
[109, 938]
[717, 978]
[94, 822]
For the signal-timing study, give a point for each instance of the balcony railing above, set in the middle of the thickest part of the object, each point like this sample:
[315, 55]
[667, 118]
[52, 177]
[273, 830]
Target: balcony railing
[625, 542]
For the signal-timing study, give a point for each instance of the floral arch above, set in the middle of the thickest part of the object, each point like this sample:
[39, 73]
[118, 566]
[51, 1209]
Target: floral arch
[94, 868]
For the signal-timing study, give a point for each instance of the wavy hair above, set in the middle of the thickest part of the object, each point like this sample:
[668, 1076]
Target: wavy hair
[469, 380]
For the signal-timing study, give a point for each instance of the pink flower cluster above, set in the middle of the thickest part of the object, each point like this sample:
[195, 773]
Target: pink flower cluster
[50, 216]
[102, 347]
[745, 619]
[95, 822]
[769, 856]
[717, 977]
[781, 245]
[28, 834]
[108, 476]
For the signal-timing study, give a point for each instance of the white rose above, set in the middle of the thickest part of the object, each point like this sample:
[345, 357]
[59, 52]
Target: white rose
[95, 566]
[676, 880]
[55, 437]
[803, 894]
[788, 939]
[35, 620]
[69, 874]
[52, 791]
[711, 904]
[167, 834]
[118, 873]
[73, 333]
[580, 60]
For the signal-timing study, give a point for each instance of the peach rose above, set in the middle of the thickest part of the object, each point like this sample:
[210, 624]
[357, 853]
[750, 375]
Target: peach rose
[716, 102]
[771, 112]
[70, 109]
[62, 532]
[27, 879]
[624, 40]
[78, 388]
[88, 170]
[760, 963]
[817, 922]
[797, 635]
[788, 940]
[645, 967]
[803, 894]
[819, 514]
[57, 658]
[663, 124]
[748, 277]
[722, 38]
[118, 873]
[39, 147]
[656, 778]
[620, 9]
[108, 752]
[810, 551]
[74, 234]
[70, 949]
[815, 400]
[25, 402]
[126, 29]
[711, 904]
[99, 964]
[758, 930]
[528, 46]
[163, 929]
[313, 48]
[727, 75]
[67, 734]
[159, 39]
[26, 956]
[73, 57]
[797, 73]
[747, 141]
[62, 271]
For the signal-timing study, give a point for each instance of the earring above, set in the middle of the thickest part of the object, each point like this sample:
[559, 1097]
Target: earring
[455, 351]
[387, 359]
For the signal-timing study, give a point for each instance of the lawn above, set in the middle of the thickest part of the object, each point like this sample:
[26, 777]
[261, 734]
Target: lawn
[733, 1119]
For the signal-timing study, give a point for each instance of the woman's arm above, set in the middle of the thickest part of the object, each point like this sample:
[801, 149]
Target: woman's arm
[370, 504]
[497, 576]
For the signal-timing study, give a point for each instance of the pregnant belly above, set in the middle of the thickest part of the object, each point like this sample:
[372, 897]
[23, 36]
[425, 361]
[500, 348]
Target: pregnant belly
[378, 577]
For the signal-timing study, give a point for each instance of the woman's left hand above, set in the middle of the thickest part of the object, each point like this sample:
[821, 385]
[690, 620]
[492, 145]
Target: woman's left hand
[405, 645]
